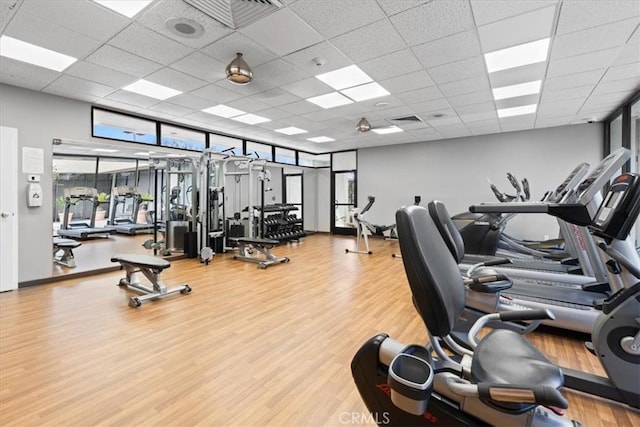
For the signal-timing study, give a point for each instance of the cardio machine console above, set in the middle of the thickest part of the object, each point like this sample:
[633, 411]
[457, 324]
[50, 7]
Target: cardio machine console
[619, 210]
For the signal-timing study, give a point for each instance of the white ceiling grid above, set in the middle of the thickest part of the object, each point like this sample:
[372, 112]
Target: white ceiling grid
[427, 53]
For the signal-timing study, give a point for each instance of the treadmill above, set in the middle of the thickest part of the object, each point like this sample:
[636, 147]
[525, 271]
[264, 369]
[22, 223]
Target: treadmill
[590, 257]
[469, 224]
[86, 229]
[127, 223]
[574, 309]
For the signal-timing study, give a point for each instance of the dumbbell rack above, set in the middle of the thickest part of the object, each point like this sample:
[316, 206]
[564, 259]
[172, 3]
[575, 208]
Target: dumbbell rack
[277, 223]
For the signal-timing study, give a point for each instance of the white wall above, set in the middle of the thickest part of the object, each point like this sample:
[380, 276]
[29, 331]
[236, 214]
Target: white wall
[455, 171]
[39, 118]
[324, 204]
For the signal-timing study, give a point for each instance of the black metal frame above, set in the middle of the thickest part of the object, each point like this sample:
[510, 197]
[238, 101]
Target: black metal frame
[625, 111]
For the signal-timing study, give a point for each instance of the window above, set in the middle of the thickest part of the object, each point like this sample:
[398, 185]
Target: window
[284, 155]
[227, 144]
[177, 137]
[110, 125]
[258, 151]
[314, 160]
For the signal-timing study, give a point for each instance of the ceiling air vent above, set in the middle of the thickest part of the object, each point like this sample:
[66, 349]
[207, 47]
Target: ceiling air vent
[236, 13]
[404, 120]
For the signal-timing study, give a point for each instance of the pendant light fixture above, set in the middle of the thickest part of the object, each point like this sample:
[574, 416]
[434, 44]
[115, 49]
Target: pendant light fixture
[363, 125]
[238, 72]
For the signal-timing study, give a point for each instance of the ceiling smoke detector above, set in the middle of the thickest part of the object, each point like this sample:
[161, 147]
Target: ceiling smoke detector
[183, 27]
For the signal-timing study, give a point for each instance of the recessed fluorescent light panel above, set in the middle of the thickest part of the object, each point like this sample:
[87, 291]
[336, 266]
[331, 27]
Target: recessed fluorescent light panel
[291, 130]
[250, 119]
[521, 89]
[105, 150]
[223, 111]
[320, 139]
[345, 77]
[153, 90]
[330, 100]
[366, 91]
[128, 8]
[517, 111]
[517, 56]
[35, 55]
[389, 129]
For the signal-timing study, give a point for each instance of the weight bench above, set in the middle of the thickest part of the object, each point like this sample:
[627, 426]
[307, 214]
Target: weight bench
[151, 267]
[66, 246]
[250, 249]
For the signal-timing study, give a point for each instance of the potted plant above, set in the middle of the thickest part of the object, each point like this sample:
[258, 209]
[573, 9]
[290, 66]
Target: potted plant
[62, 202]
[100, 211]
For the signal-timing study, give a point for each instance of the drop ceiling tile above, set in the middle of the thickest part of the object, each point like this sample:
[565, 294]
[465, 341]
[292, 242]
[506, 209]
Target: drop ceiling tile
[215, 94]
[581, 63]
[486, 11]
[370, 41]
[580, 92]
[122, 106]
[627, 85]
[225, 49]
[565, 107]
[69, 84]
[606, 99]
[256, 86]
[407, 82]
[517, 101]
[132, 99]
[622, 72]
[453, 131]
[148, 44]
[7, 10]
[392, 7]
[483, 127]
[276, 73]
[553, 121]
[275, 113]
[474, 84]
[387, 66]
[524, 28]
[593, 39]
[400, 111]
[475, 108]
[276, 96]
[157, 115]
[425, 109]
[509, 124]
[459, 70]
[631, 51]
[307, 88]
[275, 32]
[98, 74]
[89, 18]
[476, 117]
[192, 102]
[445, 121]
[331, 58]
[119, 60]
[448, 49]
[300, 107]
[512, 76]
[156, 17]
[332, 18]
[573, 80]
[470, 99]
[205, 119]
[248, 105]
[202, 67]
[420, 95]
[597, 112]
[175, 80]
[25, 75]
[433, 20]
[337, 113]
[576, 16]
[170, 109]
[50, 36]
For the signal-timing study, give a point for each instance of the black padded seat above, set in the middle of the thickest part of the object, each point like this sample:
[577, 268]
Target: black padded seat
[147, 261]
[254, 240]
[65, 243]
[505, 357]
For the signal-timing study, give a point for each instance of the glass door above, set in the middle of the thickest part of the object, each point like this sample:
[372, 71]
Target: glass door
[343, 197]
[293, 193]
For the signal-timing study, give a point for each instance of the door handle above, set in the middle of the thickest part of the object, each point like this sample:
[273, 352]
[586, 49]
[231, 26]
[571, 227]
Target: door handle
[4, 214]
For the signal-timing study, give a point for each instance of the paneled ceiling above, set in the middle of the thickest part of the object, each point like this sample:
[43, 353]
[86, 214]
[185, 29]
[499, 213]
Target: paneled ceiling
[429, 56]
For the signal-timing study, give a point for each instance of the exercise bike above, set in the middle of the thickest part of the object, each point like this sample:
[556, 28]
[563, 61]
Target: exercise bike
[505, 381]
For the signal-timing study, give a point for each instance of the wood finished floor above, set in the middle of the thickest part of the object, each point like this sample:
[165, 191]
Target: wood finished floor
[248, 347]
